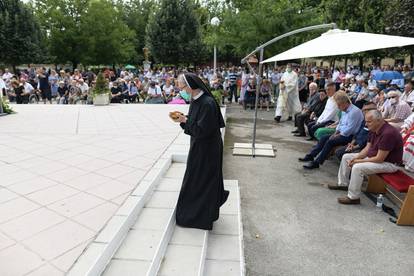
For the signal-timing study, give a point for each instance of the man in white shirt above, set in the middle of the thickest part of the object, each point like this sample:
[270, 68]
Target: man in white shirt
[329, 114]
[84, 88]
[408, 95]
[7, 75]
[28, 88]
[154, 94]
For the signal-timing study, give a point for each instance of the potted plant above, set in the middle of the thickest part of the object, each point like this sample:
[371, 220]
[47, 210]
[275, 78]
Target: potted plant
[218, 96]
[101, 92]
[4, 107]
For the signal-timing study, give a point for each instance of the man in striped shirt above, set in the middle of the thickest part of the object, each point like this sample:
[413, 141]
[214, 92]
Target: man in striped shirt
[233, 85]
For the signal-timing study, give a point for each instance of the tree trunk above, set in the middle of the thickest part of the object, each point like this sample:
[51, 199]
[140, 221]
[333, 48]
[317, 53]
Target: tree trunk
[411, 60]
[361, 63]
[346, 62]
[14, 68]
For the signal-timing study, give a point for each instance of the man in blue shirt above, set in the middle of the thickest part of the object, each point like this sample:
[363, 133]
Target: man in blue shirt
[360, 138]
[348, 126]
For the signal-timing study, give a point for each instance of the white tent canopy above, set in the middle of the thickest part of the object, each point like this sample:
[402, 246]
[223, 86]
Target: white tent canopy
[341, 42]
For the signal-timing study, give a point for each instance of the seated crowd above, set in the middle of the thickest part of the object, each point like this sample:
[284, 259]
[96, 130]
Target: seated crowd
[368, 127]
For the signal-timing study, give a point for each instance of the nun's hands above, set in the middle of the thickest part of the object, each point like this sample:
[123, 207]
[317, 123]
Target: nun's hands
[182, 118]
[176, 116]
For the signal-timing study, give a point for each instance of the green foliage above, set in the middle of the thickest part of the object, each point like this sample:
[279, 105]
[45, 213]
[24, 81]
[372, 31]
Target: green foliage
[179, 31]
[358, 16]
[107, 37]
[91, 32]
[6, 108]
[62, 21]
[400, 21]
[135, 15]
[19, 33]
[247, 24]
[173, 33]
[101, 86]
[218, 95]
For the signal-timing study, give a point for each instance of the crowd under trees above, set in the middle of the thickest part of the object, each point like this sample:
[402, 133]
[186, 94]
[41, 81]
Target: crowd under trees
[178, 32]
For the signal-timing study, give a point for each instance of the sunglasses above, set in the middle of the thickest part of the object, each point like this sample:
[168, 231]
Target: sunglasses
[392, 97]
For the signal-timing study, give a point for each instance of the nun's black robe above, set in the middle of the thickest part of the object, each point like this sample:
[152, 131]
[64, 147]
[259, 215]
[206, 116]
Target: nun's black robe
[202, 192]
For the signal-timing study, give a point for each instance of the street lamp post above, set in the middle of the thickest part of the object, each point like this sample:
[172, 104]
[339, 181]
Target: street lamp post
[215, 22]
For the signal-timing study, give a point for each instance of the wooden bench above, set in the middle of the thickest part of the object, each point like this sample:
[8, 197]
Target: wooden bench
[399, 188]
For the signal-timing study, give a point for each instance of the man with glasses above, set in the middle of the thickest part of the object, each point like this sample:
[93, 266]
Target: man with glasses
[395, 110]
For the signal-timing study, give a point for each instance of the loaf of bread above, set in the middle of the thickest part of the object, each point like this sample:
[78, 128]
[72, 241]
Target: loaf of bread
[174, 114]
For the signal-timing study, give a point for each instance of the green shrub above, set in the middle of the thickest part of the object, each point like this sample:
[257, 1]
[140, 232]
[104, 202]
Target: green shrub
[101, 86]
[218, 96]
[6, 108]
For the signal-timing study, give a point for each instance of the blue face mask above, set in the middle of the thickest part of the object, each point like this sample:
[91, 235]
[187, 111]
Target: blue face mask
[372, 94]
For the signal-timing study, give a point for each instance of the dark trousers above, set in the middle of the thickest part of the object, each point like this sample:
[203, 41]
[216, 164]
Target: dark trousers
[300, 121]
[325, 145]
[313, 127]
[233, 91]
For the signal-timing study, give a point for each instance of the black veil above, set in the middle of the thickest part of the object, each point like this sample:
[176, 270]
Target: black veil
[194, 82]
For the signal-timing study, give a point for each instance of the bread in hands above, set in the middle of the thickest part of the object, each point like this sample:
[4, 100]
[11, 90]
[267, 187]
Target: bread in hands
[175, 115]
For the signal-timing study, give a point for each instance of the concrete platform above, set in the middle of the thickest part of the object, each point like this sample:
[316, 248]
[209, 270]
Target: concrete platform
[65, 171]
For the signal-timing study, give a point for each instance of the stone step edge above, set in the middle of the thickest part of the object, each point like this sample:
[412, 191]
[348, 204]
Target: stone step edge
[240, 223]
[162, 246]
[98, 254]
[203, 257]
[241, 234]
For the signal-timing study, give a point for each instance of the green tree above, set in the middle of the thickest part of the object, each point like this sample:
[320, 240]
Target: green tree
[135, 14]
[400, 21]
[358, 16]
[61, 19]
[106, 38]
[173, 33]
[247, 24]
[19, 34]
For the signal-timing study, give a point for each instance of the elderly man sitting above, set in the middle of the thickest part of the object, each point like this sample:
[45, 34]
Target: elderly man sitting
[347, 127]
[313, 107]
[360, 138]
[395, 110]
[382, 154]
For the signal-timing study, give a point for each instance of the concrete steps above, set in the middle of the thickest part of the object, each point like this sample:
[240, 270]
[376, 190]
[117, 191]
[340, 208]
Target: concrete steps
[195, 252]
[145, 244]
[143, 239]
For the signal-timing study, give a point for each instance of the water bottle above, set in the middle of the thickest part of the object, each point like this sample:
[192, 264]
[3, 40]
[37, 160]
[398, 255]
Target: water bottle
[380, 201]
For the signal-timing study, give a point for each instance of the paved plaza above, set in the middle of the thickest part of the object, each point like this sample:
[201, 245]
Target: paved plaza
[64, 171]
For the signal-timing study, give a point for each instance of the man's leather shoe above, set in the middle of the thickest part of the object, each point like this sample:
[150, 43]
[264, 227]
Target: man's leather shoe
[337, 187]
[290, 118]
[299, 134]
[347, 201]
[311, 166]
[307, 158]
[295, 131]
[310, 139]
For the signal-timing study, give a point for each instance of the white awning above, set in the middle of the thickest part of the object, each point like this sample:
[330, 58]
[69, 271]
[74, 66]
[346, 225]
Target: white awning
[341, 42]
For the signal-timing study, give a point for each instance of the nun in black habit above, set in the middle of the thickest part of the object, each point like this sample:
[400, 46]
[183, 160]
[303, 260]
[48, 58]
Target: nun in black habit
[202, 192]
